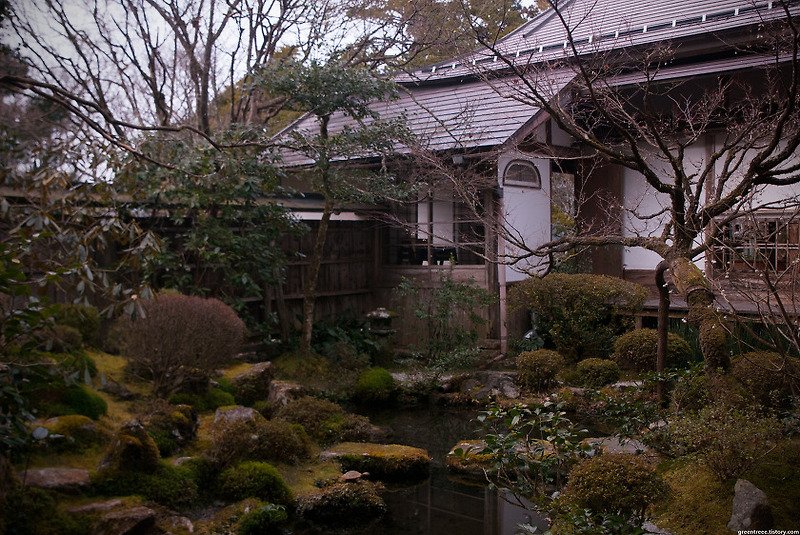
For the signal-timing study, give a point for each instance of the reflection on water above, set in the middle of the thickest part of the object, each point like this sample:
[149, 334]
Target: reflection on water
[442, 505]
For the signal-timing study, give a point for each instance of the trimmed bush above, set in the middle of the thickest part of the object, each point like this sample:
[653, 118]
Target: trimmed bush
[84, 318]
[636, 350]
[727, 439]
[614, 484]
[537, 370]
[61, 339]
[180, 332]
[769, 377]
[374, 385]
[580, 315]
[254, 479]
[597, 372]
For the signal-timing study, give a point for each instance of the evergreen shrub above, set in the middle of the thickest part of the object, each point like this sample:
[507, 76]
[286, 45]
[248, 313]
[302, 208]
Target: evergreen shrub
[580, 315]
[266, 520]
[84, 318]
[597, 372]
[324, 421]
[636, 350]
[538, 369]
[620, 484]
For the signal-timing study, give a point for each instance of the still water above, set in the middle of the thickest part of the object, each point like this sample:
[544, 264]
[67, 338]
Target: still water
[442, 505]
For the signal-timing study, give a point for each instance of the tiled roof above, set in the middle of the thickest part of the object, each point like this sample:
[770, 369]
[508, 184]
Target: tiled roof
[600, 25]
[449, 107]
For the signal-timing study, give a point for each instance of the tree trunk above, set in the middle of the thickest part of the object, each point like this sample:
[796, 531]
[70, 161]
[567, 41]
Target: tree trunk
[310, 286]
[663, 326]
[695, 288]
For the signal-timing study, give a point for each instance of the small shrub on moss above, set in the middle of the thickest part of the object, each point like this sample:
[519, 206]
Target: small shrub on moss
[265, 520]
[77, 362]
[61, 339]
[84, 318]
[771, 379]
[619, 484]
[636, 350]
[374, 385]
[691, 392]
[172, 427]
[727, 439]
[343, 505]
[597, 372]
[179, 332]
[537, 370]
[580, 315]
[262, 440]
[254, 479]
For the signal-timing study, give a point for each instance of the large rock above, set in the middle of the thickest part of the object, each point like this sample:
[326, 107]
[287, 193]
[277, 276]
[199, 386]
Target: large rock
[95, 507]
[230, 415]
[491, 384]
[384, 461]
[253, 384]
[132, 521]
[466, 457]
[342, 505]
[282, 392]
[615, 445]
[751, 509]
[68, 480]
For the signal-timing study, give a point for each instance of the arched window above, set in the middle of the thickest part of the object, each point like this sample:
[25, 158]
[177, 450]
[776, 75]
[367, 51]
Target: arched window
[522, 173]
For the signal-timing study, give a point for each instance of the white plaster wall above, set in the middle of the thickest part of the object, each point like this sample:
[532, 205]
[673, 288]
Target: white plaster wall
[443, 217]
[527, 212]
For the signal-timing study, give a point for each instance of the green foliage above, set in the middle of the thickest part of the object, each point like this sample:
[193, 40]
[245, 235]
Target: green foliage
[771, 378]
[622, 485]
[636, 350]
[597, 372]
[253, 479]
[172, 427]
[448, 311]
[345, 339]
[343, 504]
[61, 339]
[176, 334]
[691, 391]
[84, 318]
[374, 385]
[215, 219]
[580, 315]
[168, 485]
[531, 447]
[537, 370]
[727, 439]
[266, 520]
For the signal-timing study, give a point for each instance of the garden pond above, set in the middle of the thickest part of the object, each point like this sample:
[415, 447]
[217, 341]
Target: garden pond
[443, 504]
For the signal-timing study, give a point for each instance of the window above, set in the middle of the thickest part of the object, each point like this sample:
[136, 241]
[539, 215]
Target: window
[522, 173]
[757, 242]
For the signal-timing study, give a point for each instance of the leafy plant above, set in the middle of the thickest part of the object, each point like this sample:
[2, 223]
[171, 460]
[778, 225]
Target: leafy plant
[580, 315]
[374, 385]
[636, 350]
[530, 448]
[597, 372]
[257, 480]
[537, 370]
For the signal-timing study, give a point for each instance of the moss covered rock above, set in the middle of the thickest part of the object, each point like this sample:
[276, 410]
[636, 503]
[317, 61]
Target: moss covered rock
[254, 384]
[384, 461]
[131, 449]
[74, 433]
[468, 457]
